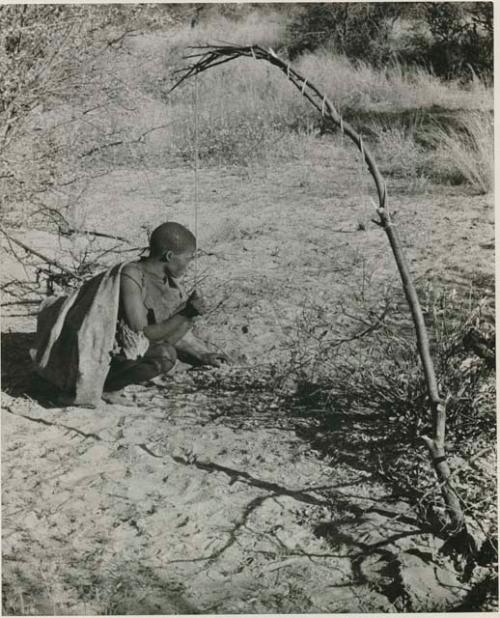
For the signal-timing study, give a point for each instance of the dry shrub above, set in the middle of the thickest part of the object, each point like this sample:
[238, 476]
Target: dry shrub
[370, 399]
[354, 387]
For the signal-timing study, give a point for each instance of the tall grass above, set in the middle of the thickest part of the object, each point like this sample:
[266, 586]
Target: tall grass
[361, 88]
[251, 101]
[245, 113]
[458, 152]
[249, 114]
[253, 29]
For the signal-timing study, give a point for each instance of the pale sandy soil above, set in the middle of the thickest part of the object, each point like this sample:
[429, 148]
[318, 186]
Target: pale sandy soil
[201, 496]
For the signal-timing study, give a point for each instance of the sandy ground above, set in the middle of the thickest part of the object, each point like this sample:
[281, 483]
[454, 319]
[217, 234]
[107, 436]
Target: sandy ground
[201, 495]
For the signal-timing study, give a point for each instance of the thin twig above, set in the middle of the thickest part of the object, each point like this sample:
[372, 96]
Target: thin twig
[41, 256]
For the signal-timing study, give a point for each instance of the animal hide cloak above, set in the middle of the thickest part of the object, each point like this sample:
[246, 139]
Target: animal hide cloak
[75, 337]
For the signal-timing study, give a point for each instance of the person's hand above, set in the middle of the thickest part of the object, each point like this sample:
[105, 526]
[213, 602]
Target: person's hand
[195, 305]
[214, 359]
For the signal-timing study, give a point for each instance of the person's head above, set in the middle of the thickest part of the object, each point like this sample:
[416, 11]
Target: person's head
[173, 245]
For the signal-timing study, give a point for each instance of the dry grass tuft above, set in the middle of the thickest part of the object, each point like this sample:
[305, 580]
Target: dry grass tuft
[464, 154]
[400, 154]
[458, 150]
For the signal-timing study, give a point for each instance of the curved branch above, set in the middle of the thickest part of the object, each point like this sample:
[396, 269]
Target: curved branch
[209, 57]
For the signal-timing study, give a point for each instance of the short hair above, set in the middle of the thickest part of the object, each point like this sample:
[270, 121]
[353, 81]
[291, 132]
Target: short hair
[171, 236]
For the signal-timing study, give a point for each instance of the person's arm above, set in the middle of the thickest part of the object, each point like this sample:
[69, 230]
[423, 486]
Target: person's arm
[189, 348]
[192, 350]
[170, 330]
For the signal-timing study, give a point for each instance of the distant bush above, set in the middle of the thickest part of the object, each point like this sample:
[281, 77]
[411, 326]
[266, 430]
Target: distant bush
[357, 30]
[252, 28]
[452, 39]
[459, 39]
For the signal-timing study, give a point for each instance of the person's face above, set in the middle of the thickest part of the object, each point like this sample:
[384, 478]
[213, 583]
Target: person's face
[176, 263]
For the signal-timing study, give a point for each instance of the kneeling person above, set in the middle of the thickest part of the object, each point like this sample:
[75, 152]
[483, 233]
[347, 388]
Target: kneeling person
[154, 317]
[125, 325]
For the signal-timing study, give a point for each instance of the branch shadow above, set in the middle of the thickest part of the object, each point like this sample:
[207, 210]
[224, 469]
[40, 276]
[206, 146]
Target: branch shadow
[322, 496]
[380, 533]
[367, 441]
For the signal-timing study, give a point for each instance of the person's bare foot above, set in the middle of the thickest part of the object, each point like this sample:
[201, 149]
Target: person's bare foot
[121, 397]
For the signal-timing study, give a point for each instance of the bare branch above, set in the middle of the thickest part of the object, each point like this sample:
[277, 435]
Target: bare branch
[213, 56]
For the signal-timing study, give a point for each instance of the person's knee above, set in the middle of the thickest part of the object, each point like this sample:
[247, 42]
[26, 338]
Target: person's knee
[169, 352]
[164, 355]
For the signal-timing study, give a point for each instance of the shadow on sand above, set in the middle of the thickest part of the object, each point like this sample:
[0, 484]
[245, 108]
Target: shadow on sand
[381, 531]
[18, 376]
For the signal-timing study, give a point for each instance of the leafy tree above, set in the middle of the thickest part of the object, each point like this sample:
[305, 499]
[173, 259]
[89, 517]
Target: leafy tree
[358, 30]
[453, 39]
[462, 38]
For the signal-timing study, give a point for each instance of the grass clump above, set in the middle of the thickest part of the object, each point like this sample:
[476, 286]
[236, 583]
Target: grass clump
[456, 150]
[464, 153]
[399, 152]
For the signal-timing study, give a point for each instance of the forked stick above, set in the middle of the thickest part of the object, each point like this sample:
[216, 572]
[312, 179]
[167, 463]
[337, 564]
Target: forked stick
[210, 56]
